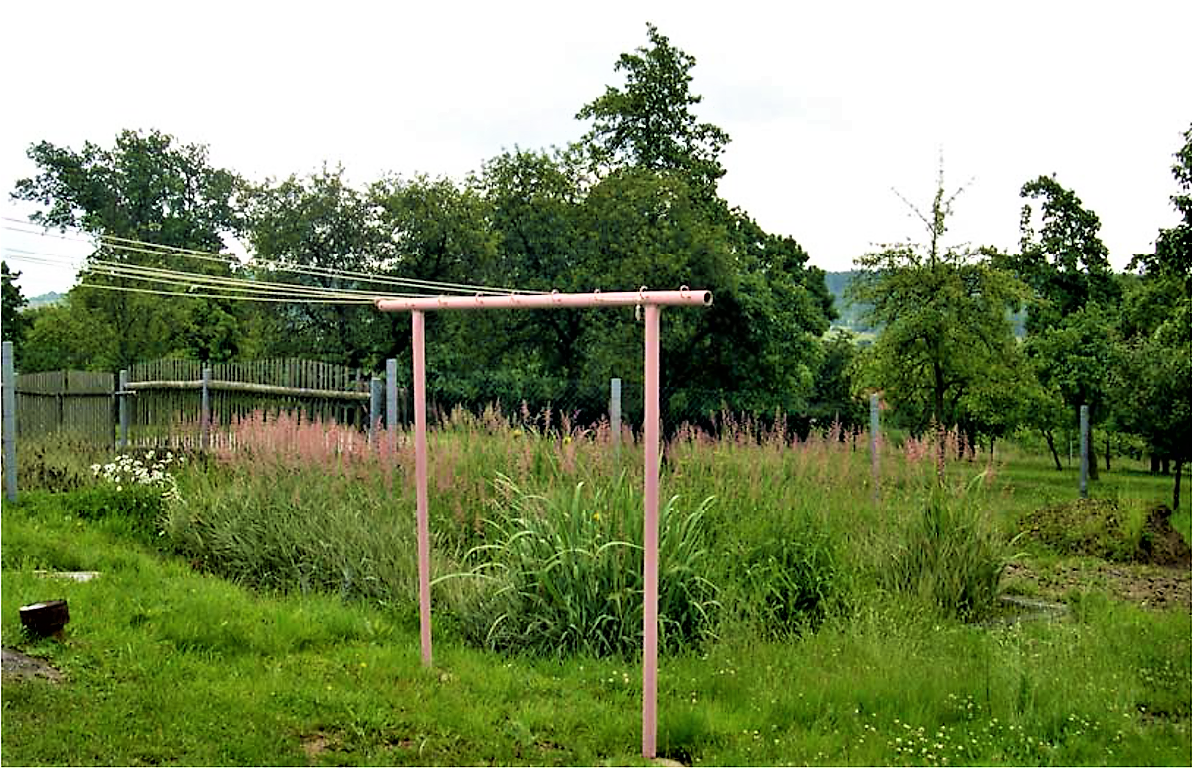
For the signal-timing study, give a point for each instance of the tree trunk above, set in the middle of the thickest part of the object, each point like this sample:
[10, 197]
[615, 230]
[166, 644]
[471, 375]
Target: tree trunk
[1093, 459]
[1108, 461]
[1054, 453]
[1179, 466]
[1166, 461]
[1154, 464]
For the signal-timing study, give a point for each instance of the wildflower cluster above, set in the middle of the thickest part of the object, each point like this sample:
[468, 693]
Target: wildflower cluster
[129, 471]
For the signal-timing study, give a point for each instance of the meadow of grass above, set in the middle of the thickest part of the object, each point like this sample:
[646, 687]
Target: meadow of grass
[267, 616]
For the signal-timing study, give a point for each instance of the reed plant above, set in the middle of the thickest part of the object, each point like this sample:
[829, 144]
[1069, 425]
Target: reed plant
[950, 553]
[562, 572]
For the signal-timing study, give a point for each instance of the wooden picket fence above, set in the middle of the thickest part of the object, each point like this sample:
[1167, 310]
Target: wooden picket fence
[166, 397]
[73, 404]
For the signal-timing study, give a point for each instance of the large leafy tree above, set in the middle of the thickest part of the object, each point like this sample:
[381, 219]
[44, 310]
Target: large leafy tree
[1061, 254]
[1065, 262]
[1151, 375]
[649, 123]
[146, 187]
[652, 215]
[318, 224]
[945, 335]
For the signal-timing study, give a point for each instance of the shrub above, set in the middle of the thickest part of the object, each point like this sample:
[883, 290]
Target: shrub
[562, 573]
[950, 554]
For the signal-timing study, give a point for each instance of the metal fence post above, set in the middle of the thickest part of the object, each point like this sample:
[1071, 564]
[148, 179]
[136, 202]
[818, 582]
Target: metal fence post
[8, 371]
[205, 417]
[616, 414]
[1084, 452]
[123, 407]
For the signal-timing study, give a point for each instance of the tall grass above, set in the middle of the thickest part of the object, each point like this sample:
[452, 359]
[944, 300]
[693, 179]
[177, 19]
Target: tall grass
[299, 506]
[950, 554]
[540, 526]
[562, 572]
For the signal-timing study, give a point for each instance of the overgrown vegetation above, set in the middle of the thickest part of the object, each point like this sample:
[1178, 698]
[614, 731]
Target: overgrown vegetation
[166, 665]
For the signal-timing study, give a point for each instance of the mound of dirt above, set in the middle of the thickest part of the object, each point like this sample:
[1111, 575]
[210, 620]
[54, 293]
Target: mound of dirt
[1101, 528]
[1161, 543]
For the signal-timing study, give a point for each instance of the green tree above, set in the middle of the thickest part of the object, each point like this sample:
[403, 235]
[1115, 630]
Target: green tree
[834, 394]
[1063, 260]
[13, 320]
[649, 122]
[318, 224]
[942, 310]
[1151, 376]
[147, 187]
[651, 214]
[69, 336]
[1073, 360]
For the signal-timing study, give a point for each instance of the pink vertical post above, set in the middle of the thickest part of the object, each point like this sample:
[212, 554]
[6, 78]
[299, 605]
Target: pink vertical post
[421, 485]
[651, 514]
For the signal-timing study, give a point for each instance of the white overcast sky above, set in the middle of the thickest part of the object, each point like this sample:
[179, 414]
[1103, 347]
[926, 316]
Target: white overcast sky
[830, 106]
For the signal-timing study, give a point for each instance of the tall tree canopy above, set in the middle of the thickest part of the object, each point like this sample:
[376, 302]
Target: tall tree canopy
[1063, 259]
[147, 187]
[649, 122]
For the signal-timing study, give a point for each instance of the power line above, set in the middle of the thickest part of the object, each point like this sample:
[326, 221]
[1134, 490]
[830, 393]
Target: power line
[301, 301]
[148, 272]
[146, 247]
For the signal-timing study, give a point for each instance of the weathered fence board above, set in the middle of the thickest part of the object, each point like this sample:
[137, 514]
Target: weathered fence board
[79, 404]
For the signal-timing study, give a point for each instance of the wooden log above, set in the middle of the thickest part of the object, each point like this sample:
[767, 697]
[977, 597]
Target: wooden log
[247, 387]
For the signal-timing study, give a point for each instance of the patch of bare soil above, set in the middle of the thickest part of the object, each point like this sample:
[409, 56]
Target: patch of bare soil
[1146, 585]
[314, 746]
[18, 665]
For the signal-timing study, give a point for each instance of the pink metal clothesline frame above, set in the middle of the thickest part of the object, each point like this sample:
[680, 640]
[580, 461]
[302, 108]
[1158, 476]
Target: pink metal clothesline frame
[651, 302]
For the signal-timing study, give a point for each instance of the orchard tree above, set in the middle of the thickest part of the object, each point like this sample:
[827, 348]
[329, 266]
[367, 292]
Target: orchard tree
[1065, 262]
[1062, 259]
[1152, 373]
[942, 314]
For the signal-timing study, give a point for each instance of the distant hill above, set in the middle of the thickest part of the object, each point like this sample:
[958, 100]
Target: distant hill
[49, 298]
[849, 314]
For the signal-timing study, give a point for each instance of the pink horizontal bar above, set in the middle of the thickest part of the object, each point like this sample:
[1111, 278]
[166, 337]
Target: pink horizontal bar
[510, 301]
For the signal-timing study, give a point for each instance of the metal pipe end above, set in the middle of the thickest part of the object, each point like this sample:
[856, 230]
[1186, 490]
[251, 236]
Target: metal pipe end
[707, 298]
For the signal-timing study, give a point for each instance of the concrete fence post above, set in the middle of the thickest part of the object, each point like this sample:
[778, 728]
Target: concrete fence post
[616, 414]
[1084, 452]
[874, 426]
[8, 371]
